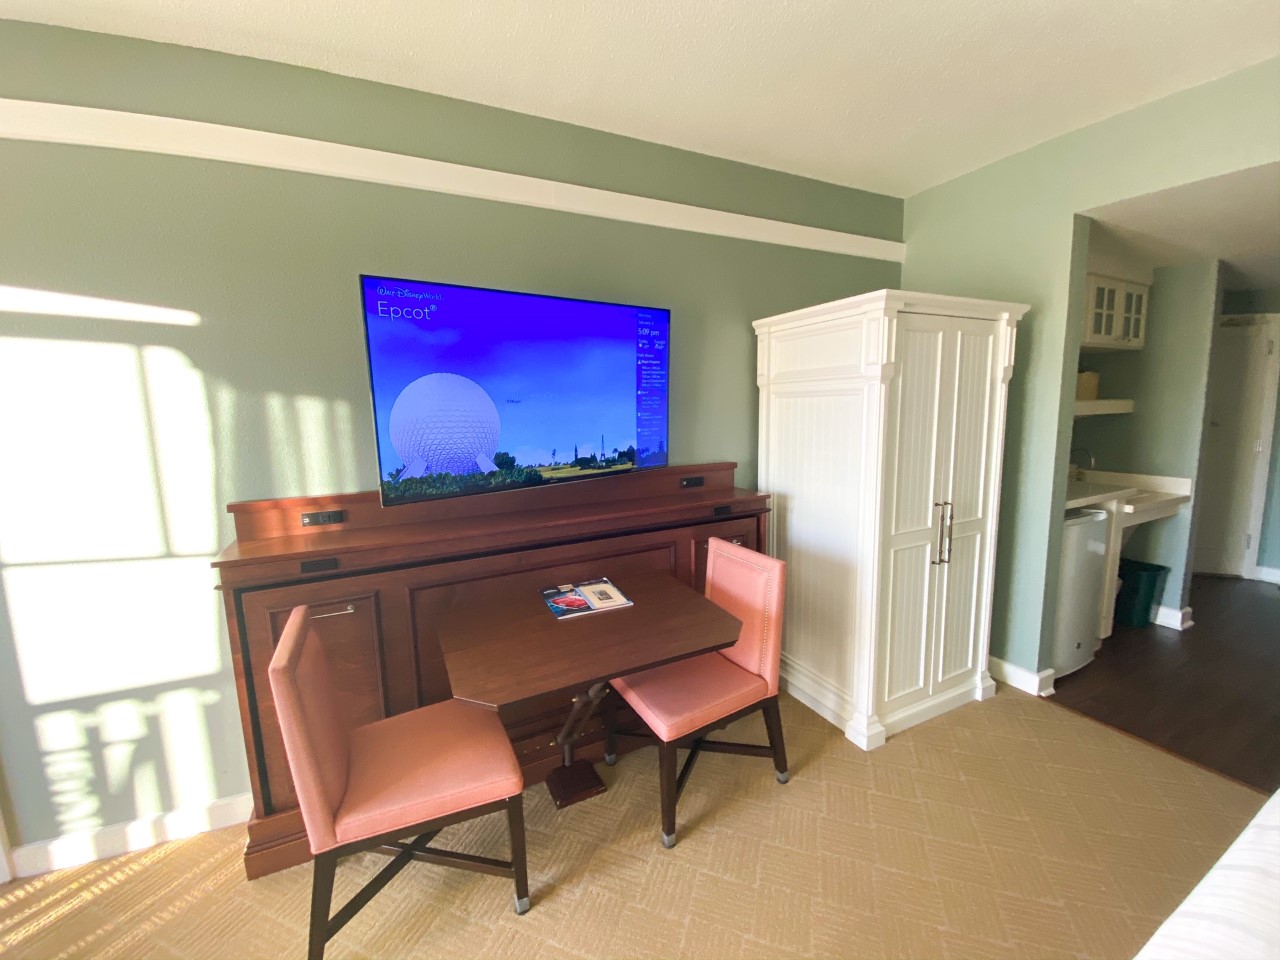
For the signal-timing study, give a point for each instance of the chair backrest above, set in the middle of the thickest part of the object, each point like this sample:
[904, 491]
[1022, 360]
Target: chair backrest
[750, 586]
[315, 729]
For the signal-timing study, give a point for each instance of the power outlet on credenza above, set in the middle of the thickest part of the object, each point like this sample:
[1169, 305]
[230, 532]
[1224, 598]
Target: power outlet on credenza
[323, 517]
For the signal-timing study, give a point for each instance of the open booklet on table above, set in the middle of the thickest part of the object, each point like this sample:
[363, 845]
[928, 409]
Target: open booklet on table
[578, 599]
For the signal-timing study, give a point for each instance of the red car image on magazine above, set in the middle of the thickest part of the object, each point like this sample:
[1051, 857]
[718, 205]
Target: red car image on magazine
[578, 599]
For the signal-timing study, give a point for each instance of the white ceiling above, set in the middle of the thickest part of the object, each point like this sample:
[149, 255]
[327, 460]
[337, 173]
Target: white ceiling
[888, 95]
[1234, 218]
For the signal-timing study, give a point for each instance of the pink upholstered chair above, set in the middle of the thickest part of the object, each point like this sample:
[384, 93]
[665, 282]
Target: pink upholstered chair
[369, 787]
[683, 702]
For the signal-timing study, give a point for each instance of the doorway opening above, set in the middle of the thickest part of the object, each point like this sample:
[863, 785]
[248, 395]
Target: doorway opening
[1191, 399]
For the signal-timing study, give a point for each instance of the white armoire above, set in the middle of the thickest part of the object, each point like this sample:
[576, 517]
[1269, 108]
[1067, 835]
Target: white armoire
[881, 435]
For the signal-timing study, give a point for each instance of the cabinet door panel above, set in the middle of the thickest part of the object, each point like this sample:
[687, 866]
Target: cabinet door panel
[1097, 312]
[348, 616]
[905, 657]
[348, 629]
[966, 468]
[912, 436]
[912, 487]
[959, 590]
[1102, 323]
[967, 471]
[742, 532]
[1138, 322]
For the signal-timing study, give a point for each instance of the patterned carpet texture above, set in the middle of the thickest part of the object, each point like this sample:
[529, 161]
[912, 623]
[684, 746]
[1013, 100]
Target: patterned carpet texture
[1010, 828]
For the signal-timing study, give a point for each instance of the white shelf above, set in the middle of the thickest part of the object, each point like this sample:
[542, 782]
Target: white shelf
[1093, 408]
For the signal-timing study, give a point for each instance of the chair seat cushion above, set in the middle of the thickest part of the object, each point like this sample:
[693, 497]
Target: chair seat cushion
[678, 698]
[424, 764]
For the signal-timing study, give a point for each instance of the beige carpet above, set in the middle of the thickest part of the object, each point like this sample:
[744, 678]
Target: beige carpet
[1011, 828]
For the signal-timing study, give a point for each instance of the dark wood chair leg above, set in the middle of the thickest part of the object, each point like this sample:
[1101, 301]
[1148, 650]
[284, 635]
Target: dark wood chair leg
[326, 864]
[773, 724]
[515, 823]
[610, 710]
[667, 783]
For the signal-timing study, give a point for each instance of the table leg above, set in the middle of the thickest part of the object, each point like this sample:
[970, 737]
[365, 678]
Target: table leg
[576, 780]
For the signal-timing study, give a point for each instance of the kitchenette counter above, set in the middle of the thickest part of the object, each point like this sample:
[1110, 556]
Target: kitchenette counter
[1145, 497]
[1085, 493]
[1129, 499]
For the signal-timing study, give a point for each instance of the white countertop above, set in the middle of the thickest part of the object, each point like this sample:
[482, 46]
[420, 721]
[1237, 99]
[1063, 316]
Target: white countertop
[1083, 493]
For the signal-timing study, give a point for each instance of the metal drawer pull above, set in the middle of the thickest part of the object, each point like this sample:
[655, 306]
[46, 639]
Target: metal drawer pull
[942, 532]
[351, 608]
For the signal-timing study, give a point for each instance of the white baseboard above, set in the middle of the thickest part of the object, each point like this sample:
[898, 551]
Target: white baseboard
[86, 846]
[1175, 619]
[1020, 678]
[1269, 574]
[866, 733]
[816, 692]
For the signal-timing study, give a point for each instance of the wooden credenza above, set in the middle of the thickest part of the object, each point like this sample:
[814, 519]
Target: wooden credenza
[376, 581]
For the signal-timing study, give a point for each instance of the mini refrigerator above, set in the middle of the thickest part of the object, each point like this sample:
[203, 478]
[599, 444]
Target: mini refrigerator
[1080, 584]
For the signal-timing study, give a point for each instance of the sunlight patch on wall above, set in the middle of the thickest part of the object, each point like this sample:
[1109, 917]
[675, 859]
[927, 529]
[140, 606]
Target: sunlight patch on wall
[186, 747]
[77, 481]
[311, 441]
[324, 427]
[183, 441]
[69, 770]
[90, 629]
[53, 304]
[91, 756]
[343, 452]
[282, 437]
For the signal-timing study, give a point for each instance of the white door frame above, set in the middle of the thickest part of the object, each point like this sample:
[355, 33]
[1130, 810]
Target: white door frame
[1266, 432]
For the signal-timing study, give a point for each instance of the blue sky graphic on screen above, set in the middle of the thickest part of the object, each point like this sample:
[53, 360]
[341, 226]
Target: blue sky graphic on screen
[477, 390]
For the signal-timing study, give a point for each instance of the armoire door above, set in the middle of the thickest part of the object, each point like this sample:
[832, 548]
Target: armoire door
[914, 427]
[938, 437]
[961, 592]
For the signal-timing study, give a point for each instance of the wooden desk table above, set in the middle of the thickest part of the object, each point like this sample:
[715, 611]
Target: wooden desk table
[503, 646]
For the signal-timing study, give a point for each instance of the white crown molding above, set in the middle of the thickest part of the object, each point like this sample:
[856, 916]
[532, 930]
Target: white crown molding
[114, 129]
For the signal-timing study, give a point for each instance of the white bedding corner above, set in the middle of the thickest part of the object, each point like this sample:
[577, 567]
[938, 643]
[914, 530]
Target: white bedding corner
[1234, 912]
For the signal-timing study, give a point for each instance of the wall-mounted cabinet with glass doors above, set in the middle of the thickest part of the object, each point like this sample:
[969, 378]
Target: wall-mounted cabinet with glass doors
[1116, 318]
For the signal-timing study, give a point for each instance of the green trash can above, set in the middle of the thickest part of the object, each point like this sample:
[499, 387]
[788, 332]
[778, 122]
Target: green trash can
[1141, 587]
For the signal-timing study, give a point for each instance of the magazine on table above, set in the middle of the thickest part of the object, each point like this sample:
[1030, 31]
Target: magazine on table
[569, 600]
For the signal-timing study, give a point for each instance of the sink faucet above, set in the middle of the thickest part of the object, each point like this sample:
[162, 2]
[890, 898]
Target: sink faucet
[1080, 467]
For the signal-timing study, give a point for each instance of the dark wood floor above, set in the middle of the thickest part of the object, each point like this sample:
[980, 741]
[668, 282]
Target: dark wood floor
[1210, 694]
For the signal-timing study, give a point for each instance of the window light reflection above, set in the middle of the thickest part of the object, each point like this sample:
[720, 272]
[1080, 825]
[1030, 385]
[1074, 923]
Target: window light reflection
[134, 623]
[77, 481]
[182, 438]
[52, 304]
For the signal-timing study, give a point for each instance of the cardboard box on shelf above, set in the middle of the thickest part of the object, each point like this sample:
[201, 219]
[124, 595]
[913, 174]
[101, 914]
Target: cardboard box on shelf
[1086, 386]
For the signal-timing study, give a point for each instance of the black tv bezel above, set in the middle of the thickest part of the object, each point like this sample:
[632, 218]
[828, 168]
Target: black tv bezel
[373, 411]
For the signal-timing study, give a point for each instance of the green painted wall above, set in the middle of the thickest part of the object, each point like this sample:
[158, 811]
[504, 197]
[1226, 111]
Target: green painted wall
[1167, 380]
[1007, 231]
[1251, 301]
[68, 66]
[267, 395]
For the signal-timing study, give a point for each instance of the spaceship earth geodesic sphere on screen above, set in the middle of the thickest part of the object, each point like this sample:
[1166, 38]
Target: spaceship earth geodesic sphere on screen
[444, 423]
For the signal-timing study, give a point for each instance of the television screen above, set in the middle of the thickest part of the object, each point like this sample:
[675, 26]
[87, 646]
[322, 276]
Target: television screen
[478, 390]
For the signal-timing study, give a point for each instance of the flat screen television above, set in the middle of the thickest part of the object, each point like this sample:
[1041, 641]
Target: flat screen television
[478, 390]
